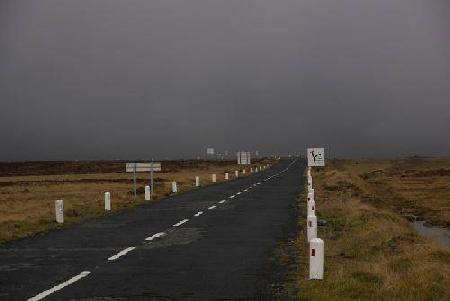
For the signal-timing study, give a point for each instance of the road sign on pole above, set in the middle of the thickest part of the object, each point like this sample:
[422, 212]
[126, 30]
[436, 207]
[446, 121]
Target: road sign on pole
[143, 167]
[316, 156]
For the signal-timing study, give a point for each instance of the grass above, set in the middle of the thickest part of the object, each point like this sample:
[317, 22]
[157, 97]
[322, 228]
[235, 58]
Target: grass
[371, 250]
[27, 201]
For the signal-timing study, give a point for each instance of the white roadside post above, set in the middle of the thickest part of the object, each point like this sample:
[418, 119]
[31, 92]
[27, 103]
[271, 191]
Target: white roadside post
[107, 201]
[147, 193]
[226, 176]
[197, 181]
[214, 178]
[236, 173]
[59, 211]
[251, 170]
[174, 187]
[243, 171]
[311, 227]
[316, 258]
[312, 207]
[310, 196]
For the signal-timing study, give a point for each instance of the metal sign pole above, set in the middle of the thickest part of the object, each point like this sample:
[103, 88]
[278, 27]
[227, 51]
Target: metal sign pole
[151, 181]
[134, 180]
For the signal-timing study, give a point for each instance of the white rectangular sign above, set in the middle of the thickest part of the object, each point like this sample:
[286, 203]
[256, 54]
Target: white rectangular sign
[243, 158]
[143, 167]
[316, 156]
[210, 151]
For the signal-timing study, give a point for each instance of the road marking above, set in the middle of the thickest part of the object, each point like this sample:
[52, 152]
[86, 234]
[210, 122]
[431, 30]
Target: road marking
[245, 190]
[222, 201]
[239, 193]
[181, 222]
[198, 213]
[232, 197]
[59, 286]
[157, 235]
[212, 207]
[121, 253]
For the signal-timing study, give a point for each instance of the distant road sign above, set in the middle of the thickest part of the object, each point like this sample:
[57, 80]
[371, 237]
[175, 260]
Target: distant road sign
[316, 156]
[210, 151]
[143, 167]
[243, 158]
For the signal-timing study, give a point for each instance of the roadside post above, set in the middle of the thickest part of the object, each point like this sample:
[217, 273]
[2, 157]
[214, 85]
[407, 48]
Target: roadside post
[59, 211]
[197, 181]
[174, 187]
[236, 173]
[316, 258]
[107, 201]
[214, 179]
[147, 193]
[310, 196]
[226, 176]
[311, 227]
[312, 207]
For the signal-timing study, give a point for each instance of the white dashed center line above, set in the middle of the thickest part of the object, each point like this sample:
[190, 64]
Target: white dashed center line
[198, 213]
[222, 201]
[157, 235]
[59, 286]
[212, 207]
[121, 253]
[232, 197]
[181, 222]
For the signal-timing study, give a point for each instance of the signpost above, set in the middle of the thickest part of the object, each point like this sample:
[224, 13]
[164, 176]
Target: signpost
[143, 167]
[243, 158]
[316, 156]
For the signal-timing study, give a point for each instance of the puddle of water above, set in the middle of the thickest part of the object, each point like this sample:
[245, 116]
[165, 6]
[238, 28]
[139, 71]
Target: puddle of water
[437, 234]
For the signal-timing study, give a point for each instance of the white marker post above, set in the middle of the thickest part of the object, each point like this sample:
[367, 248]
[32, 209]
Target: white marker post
[243, 171]
[316, 258]
[107, 201]
[197, 181]
[226, 176]
[311, 227]
[236, 173]
[174, 187]
[147, 193]
[214, 178]
[251, 170]
[312, 207]
[310, 196]
[59, 211]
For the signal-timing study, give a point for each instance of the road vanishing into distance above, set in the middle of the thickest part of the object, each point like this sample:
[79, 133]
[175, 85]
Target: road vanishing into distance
[213, 243]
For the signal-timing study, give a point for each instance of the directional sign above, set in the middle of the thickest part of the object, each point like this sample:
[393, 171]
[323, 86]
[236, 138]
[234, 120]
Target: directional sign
[316, 156]
[210, 151]
[143, 167]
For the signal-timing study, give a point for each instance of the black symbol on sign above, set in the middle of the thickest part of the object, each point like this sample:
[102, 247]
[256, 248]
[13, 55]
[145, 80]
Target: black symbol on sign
[315, 156]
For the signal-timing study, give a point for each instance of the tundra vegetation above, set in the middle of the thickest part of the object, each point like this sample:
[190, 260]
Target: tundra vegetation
[372, 252]
[28, 190]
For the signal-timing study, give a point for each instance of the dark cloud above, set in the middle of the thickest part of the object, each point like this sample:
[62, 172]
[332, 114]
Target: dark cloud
[135, 79]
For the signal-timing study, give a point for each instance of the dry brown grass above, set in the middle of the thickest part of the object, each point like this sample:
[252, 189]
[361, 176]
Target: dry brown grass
[27, 202]
[371, 251]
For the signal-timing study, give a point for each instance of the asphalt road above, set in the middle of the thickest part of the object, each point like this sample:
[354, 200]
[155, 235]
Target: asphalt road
[213, 243]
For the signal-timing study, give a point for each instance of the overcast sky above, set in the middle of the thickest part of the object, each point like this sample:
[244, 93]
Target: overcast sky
[128, 79]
